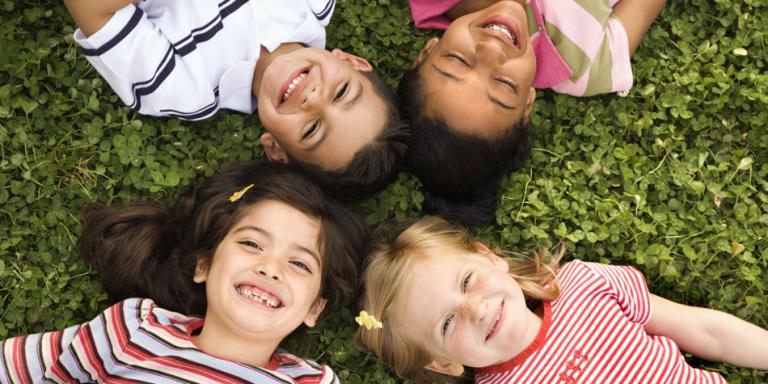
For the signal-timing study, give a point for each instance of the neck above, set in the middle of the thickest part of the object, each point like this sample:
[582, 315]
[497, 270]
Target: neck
[265, 59]
[219, 341]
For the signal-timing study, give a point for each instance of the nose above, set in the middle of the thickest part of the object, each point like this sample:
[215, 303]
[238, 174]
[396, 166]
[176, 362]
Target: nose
[474, 309]
[269, 269]
[490, 53]
[313, 98]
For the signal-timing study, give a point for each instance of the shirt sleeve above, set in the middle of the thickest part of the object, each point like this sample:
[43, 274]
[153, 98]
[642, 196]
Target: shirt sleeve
[322, 9]
[430, 14]
[630, 289]
[141, 65]
[36, 358]
[594, 44]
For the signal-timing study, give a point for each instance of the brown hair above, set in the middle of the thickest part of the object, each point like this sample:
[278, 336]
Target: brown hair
[145, 250]
[391, 266]
[373, 166]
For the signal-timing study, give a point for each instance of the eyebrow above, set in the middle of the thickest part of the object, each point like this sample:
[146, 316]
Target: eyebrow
[446, 73]
[267, 234]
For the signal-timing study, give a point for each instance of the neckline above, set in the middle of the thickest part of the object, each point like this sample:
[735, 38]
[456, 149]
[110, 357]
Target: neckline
[537, 343]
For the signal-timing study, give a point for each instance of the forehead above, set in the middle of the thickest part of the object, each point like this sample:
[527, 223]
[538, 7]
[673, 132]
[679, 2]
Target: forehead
[281, 222]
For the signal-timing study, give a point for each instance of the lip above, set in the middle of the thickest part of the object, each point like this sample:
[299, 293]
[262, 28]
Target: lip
[496, 325]
[263, 288]
[511, 25]
[297, 89]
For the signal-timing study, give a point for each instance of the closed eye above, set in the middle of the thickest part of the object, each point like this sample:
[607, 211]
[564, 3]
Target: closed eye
[456, 57]
[511, 85]
[343, 91]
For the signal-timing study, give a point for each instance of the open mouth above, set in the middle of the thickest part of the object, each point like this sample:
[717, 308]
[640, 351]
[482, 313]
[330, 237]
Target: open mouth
[259, 296]
[496, 322]
[293, 84]
[504, 30]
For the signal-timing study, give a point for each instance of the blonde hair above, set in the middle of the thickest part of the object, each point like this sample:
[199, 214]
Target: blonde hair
[391, 266]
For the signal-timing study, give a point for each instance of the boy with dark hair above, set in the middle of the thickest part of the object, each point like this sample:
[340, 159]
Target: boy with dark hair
[188, 59]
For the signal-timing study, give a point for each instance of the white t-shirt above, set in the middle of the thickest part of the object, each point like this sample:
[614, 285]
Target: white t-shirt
[190, 58]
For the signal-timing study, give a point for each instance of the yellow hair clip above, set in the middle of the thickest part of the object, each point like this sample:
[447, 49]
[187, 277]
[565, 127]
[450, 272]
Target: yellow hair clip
[237, 195]
[368, 321]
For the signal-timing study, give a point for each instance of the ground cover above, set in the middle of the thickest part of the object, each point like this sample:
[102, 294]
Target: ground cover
[671, 178]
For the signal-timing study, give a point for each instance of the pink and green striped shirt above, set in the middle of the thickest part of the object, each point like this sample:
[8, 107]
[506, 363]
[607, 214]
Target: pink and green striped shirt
[585, 36]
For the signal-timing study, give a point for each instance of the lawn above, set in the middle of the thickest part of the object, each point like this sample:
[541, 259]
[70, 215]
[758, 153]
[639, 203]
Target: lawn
[671, 178]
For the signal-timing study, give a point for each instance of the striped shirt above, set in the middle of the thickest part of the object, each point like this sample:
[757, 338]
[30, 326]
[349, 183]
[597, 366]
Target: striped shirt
[135, 341]
[188, 59]
[593, 333]
[581, 47]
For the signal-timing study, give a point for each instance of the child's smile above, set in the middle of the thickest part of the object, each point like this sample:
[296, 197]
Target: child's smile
[478, 76]
[264, 279]
[318, 107]
[466, 309]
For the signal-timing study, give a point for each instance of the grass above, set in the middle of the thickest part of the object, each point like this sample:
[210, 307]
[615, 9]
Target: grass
[671, 178]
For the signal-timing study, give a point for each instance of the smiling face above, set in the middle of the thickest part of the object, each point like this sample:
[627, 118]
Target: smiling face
[466, 309]
[264, 279]
[478, 75]
[318, 107]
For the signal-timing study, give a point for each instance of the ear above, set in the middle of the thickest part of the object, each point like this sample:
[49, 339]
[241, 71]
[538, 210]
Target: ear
[497, 260]
[425, 51]
[446, 368]
[529, 103]
[201, 271]
[273, 150]
[317, 308]
[357, 62]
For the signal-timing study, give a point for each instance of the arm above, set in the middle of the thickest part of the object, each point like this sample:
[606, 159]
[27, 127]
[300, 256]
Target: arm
[91, 15]
[36, 357]
[710, 334]
[637, 16]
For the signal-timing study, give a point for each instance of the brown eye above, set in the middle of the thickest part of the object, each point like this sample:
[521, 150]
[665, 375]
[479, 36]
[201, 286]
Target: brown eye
[343, 91]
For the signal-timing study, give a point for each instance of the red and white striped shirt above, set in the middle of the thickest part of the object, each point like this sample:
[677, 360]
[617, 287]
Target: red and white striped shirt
[593, 333]
[135, 341]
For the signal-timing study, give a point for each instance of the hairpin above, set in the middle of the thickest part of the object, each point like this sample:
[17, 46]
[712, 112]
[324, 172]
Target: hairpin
[237, 195]
[368, 321]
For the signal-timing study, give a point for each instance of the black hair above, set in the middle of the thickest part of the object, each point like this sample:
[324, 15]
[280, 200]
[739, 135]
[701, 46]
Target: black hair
[146, 250]
[461, 173]
[375, 165]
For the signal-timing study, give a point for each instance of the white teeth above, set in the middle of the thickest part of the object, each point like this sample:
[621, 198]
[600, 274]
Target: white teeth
[503, 29]
[269, 301]
[293, 84]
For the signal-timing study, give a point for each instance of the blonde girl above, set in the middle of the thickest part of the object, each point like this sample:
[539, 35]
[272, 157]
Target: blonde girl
[223, 278]
[446, 302]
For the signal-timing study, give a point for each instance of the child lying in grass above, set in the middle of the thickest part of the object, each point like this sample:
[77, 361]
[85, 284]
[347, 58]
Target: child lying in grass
[323, 111]
[445, 301]
[470, 92]
[257, 253]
